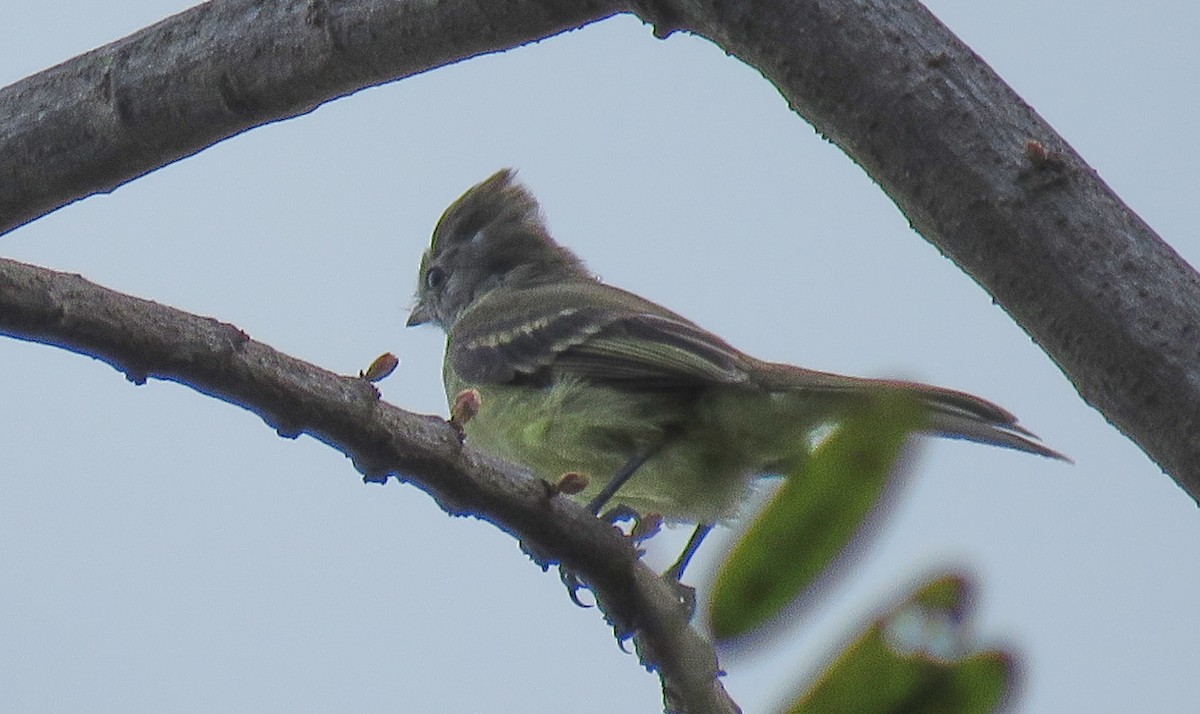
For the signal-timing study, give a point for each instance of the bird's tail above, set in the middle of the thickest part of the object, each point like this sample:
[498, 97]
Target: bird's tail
[949, 413]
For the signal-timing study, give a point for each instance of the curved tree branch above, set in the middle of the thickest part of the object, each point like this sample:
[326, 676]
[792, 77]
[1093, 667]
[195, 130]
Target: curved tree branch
[166, 92]
[144, 339]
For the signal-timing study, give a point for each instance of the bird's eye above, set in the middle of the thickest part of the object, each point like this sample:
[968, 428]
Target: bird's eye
[434, 277]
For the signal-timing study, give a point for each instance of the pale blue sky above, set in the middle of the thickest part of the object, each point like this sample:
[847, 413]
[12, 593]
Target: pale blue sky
[163, 551]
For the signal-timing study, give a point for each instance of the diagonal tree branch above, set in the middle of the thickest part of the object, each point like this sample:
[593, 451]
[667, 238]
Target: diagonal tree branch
[166, 92]
[144, 339]
[985, 179]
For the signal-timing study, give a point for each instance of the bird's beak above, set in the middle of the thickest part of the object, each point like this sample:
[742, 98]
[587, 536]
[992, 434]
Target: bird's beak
[419, 315]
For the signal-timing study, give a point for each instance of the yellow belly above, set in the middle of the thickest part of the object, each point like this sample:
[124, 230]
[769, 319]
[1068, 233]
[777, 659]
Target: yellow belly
[706, 448]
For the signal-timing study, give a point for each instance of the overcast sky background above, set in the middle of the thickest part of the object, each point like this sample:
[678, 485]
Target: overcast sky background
[163, 551]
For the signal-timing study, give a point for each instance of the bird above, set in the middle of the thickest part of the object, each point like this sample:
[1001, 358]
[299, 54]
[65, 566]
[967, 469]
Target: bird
[662, 416]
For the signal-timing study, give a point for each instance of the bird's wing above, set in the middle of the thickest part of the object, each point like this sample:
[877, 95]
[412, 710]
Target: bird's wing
[590, 331]
[594, 332]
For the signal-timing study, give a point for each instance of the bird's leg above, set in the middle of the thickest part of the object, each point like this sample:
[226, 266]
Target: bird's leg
[674, 574]
[612, 515]
[619, 479]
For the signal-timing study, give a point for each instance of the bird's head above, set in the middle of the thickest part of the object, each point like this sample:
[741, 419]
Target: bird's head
[492, 235]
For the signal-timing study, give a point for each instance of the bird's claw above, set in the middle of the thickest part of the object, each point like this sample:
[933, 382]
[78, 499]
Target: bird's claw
[573, 584]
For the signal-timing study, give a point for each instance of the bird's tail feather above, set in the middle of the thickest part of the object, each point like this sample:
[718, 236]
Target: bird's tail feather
[950, 413]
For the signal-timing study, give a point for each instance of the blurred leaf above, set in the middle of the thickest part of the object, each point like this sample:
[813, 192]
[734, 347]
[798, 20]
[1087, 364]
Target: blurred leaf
[812, 517]
[888, 670]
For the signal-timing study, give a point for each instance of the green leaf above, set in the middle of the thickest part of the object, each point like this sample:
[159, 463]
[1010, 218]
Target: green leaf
[814, 515]
[890, 671]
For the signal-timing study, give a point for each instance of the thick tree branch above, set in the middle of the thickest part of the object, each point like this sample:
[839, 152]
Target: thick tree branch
[220, 68]
[990, 183]
[144, 339]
